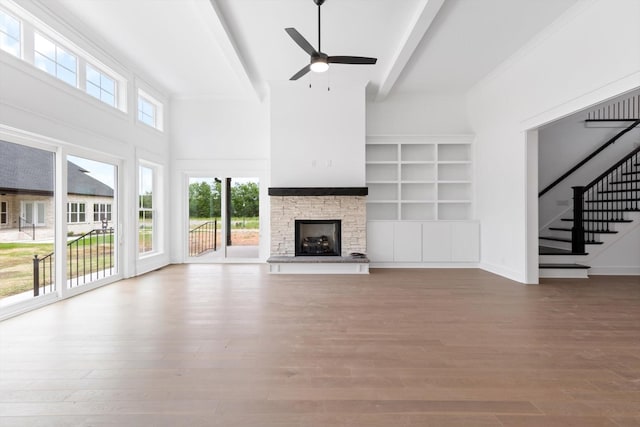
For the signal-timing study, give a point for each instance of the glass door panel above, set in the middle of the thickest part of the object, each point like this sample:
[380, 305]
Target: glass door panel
[223, 218]
[91, 221]
[27, 230]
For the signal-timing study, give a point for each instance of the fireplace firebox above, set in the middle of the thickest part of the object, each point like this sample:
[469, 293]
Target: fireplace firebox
[317, 237]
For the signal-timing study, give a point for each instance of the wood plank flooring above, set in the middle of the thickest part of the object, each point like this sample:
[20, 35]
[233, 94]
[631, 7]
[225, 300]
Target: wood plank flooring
[230, 345]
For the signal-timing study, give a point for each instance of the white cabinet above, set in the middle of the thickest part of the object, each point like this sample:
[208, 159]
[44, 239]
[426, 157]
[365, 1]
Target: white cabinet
[407, 243]
[419, 178]
[423, 242]
[380, 241]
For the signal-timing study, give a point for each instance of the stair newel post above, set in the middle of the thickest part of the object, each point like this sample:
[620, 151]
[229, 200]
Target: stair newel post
[577, 231]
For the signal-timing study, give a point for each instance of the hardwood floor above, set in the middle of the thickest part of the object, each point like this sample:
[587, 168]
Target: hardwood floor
[230, 345]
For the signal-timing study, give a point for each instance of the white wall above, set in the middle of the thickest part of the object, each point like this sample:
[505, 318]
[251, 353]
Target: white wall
[418, 114]
[588, 55]
[317, 136]
[219, 129]
[620, 259]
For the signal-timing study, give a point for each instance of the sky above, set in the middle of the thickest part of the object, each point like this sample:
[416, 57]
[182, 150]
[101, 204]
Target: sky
[103, 172]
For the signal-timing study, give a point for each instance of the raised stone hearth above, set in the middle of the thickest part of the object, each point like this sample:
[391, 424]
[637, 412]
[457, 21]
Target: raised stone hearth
[318, 204]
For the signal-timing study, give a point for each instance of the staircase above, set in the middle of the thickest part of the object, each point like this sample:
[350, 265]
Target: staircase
[603, 211]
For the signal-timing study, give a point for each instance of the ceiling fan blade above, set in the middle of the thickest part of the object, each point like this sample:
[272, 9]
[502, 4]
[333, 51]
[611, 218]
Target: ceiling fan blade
[301, 41]
[351, 60]
[301, 73]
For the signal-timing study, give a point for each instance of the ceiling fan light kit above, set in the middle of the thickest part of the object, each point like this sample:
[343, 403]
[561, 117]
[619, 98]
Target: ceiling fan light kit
[319, 61]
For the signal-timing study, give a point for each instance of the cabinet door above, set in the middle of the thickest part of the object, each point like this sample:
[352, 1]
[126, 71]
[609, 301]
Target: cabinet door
[436, 242]
[465, 239]
[380, 241]
[408, 242]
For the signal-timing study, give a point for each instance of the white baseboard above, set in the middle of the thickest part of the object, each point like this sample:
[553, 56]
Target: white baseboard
[614, 271]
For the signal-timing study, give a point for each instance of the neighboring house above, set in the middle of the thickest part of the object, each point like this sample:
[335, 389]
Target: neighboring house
[26, 192]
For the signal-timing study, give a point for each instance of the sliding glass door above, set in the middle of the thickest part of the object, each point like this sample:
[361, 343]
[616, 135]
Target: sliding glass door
[223, 218]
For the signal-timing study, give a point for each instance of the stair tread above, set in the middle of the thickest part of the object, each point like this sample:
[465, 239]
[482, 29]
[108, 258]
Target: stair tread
[633, 190]
[586, 231]
[547, 250]
[599, 220]
[613, 210]
[636, 199]
[562, 239]
[563, 266]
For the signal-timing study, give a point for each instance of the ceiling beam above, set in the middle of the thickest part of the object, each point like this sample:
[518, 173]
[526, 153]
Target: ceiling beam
[224, 38]
[425, 14]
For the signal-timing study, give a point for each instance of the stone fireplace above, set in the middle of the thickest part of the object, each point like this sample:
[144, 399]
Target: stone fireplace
[321, 209]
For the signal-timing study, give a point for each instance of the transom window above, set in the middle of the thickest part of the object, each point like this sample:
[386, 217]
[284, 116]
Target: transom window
[9, 34]
[101, 211]
[101, 86]
[76, 212]
[146, 111]
[55, 60]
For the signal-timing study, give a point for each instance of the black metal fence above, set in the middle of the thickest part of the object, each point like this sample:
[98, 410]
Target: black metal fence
[203, 238]
[27, 227]
[89, 257]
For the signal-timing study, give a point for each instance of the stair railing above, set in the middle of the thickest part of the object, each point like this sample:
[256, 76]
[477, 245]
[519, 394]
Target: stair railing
[89, 257]
[604, 199]
[203, 238]
[589, 157]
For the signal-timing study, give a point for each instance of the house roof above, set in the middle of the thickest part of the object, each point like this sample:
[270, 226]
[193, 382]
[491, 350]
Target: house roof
[30, 170]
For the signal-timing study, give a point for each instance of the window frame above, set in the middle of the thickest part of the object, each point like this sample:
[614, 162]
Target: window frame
[147, 212]
[158, 110]
[102, 209]
[59, 50]
[77, 212]
[20, 38]
[101, 75]
[4, 212]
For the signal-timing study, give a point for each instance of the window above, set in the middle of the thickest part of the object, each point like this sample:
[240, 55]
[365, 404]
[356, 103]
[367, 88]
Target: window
[146, 218]
[146, 111]
[101, 86]
[55, 60]
[9, 34]
[101, 211]
[3, 212]
[76, 213]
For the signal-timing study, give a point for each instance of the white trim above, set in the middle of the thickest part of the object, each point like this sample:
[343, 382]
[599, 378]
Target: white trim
[615, 271]
[504, 271]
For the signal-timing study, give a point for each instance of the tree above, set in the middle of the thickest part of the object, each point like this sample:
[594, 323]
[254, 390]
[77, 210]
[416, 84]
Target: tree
[245, 199]
[204, 201]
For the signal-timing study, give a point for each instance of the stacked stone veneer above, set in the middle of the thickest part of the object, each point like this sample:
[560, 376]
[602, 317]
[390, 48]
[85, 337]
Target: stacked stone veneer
[350, 210]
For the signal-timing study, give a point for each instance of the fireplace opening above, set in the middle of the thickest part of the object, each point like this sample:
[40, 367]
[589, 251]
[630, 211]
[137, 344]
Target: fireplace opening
[318, 237]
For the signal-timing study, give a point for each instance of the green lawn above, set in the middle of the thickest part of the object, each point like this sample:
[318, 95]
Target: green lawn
[16, 265]
[16, 262]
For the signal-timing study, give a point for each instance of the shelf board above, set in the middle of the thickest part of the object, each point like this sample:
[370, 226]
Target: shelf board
[417, 182]
[381, 182]
[453, 182]
[381, 162]
[412, 202]
[453, 201]
[418, 162]
[454, 162]
[382, 201]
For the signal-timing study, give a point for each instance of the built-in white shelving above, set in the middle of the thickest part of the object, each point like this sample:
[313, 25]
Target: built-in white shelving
[419, 177]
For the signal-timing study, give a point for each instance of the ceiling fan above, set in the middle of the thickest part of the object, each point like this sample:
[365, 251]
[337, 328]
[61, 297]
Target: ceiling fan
[319, 61]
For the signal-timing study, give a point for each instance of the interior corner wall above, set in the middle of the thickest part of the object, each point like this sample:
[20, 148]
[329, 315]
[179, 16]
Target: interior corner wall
[589, 54]
[317, 135]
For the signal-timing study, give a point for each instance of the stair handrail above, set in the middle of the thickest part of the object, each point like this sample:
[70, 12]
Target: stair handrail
[589, 157]
[580, 194]
[611, 169]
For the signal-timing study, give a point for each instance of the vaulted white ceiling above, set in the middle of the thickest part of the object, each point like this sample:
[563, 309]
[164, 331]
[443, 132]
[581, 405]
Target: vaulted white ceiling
[234, 48]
